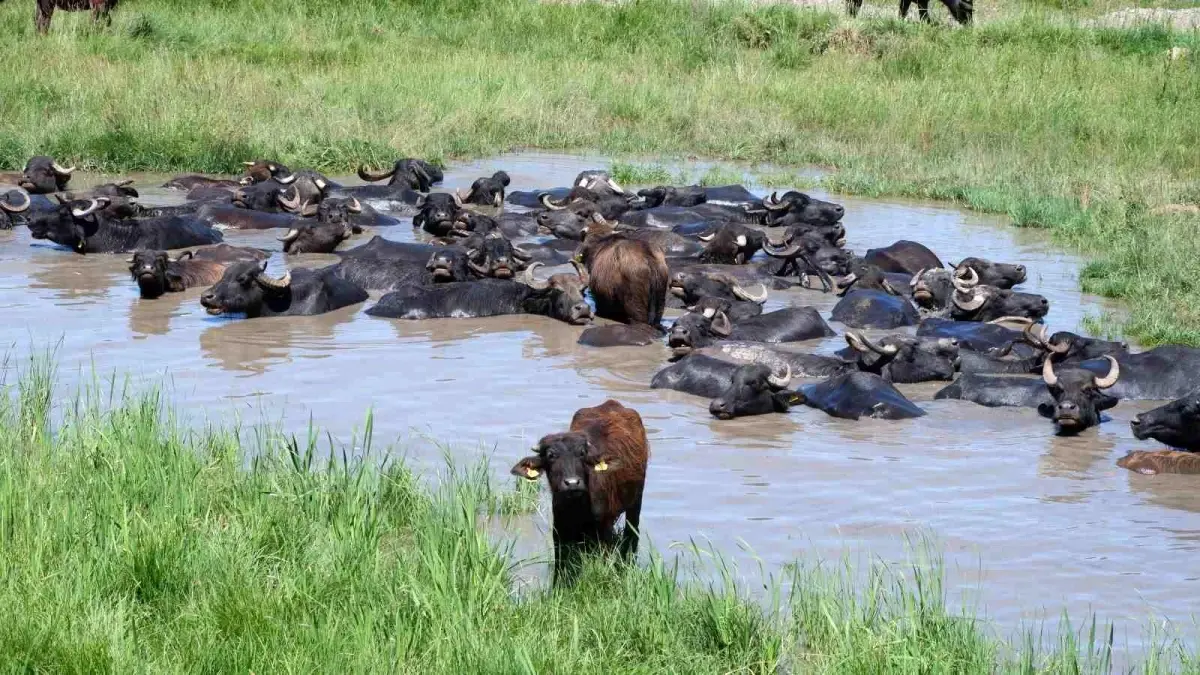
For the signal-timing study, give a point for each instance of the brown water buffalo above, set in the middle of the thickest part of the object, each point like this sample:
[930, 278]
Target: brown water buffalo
[156, 273]
[596, 472]
[1160, 461]
[628, 278]
[45, 10]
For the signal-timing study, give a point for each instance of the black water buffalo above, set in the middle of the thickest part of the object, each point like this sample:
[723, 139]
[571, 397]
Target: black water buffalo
[45, 10]
[1079, 396]
[666, 195]
[698, 374]
[754, 390]
[267, 196]
[438, 214]
[972, 301]
[43, 176]
[12, 203]
[904, 257]
[961, 10]
[559, 298]
[864, 277]
[809, 253]
[118, 190]
[1068, 347]
[628, 278]
[998, 391]
[156, 273]
[692, 287]
[487, 191]
[875, 309]
[237, 218]
[731, 244]
[192, 181]
[855, 395]
[408, 173]
[976, 336]
[492, 255]
[1164, 373]
[903, 359]
[931, 290]
[791, 324]
[797, 208]
[613, 206]
[1176, 424]
[693, 219]
[245, 288]
[735, 310]
[571, 222]
[1000, 275]
[386, 275]
[81, 227]
[333, 226]
[777, 357]
[304, 192]
[262, 170]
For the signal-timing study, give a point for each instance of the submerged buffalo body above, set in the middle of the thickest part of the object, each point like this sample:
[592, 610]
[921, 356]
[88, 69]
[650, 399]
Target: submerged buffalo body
[245, 288]
[83, 228]
[857, 394]
[558, 299]
[875, 309]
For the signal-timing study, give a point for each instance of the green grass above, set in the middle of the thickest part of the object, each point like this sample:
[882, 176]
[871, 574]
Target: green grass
[1077, 130]
[130, 544]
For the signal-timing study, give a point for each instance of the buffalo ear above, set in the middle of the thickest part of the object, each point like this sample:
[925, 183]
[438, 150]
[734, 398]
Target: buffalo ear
[1046, 410]
[784, 399]
[529, 468]
[1104, 402]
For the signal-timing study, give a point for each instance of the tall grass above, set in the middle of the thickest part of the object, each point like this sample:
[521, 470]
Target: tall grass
[128, 544]
[1029, 113]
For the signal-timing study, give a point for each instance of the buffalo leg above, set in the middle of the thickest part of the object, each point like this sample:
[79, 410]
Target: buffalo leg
[852, 7]
[904, 5]
[923, 10]
[566, 561]
[633, 526]
[45, 10]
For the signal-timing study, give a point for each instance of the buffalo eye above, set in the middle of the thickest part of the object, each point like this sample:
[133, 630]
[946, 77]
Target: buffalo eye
[245, 280]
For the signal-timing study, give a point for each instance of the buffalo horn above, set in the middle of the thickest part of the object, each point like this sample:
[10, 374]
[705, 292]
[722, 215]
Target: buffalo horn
[186, 255]
[372, 176]
[272, 282]
[772, 203]
[531, 282]
[477, 268]
[977, 300]
[707, 237]
[521, 254]
[746, 295]
[615, 188]
[286, 180]
[1114, 373]
[94, 205]
[18, 208]
[249, 163]
[889, 288]
[458, 199]
[292, 234]
[354, 206]
[917, 278]
[292, 204]
[968, 276]
[777, 252]
[58, 168]
[309, 209]
[861, 343]
[1022, 321]
[1048, 373]
[781, 381]
[580, 270]
[124, 183]
[545, 200]
[721, 325]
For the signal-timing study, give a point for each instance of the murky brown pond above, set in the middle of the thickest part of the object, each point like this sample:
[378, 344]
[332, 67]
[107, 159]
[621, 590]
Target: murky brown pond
[1034, 522]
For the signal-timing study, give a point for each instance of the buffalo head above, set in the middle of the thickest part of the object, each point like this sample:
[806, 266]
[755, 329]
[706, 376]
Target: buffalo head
[70, 224]
[731, 244]
[1078, 394]
[413, 174]
[245, 288]
[1176, 424]
[797, 208]
[755, 390]
[43, 175]
[903, 359]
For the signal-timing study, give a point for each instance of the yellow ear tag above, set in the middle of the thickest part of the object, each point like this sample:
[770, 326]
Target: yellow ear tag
[797, 399]
[600, 466]
[532, 474]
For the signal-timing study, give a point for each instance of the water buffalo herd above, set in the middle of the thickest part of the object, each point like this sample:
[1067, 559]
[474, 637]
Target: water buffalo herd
[716, 253]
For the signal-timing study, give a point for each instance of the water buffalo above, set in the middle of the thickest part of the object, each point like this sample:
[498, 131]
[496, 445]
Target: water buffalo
[559, 298]
[1176, 424]
[245, 288]
[855, 395]
[45, 10]
[408, 173]
[1000, 275]
[156, 273]
[961, 10]
[43, 175]
[333, 226]
[809, 253]
[972, 301]
[699, 374]
[875, 309]
[1160, 461]
[998, 391]
[1164, 373]
[692, 287]
[388, 274]
[570, 222]
[1068, 347]
[81, 227]
[304, 192]
[619, 335]
[267, 196]
[438, 214]
[1079, 396]
[903, 359]
[791, 324]
[493, 255]
[731, 244]
[628, 278]
[13, 202]
[612, 206]
[487, 191]
[263, 170]
[975, 336]
[797, 208]
[864, 277]
[693, 219]
[754, 390]
[904, 257]
[735, 310]
[596, 473]
[931, 290]
[193, 181]
[665, 195]
[778, 357]
[672, 245]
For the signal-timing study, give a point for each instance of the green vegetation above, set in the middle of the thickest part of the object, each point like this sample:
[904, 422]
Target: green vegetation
[129, 544]
[1084, 131]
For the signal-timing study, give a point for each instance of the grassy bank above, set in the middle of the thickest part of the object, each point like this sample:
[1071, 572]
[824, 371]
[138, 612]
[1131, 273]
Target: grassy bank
[129, 544]
[1083, 131]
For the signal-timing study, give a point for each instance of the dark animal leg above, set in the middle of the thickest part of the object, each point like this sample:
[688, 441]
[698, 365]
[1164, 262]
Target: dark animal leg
[633, 526]
[904, 5]
[566, 561]
[45, 10]
[852, 7]
[923, 10]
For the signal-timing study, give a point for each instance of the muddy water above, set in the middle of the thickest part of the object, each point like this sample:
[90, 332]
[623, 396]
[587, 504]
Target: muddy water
[1030, 523]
